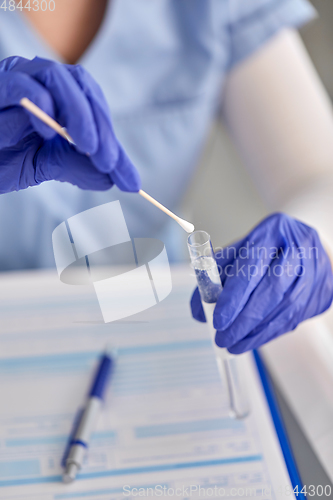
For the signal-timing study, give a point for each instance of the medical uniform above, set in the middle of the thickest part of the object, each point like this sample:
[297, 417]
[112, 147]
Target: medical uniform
[161, 65]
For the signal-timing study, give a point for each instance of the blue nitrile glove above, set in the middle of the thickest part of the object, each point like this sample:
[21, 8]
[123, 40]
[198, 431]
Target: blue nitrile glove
[274, 278]
[31, 152]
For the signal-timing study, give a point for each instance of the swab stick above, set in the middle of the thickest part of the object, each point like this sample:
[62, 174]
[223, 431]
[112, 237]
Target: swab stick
[44, 117]
[187, 226]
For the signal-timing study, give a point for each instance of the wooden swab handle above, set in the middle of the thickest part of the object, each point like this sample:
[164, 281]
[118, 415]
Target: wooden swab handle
[158, 204]
[44, 117]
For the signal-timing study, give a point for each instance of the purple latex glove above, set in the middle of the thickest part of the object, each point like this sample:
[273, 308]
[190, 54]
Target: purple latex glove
[273, 279]
[31, 152]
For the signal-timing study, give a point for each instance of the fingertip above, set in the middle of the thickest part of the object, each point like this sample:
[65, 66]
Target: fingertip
[125, 175]
[230, 303]
[236, 349]
[131, 183]
[196, 307]
[199, 316]
[223, 340]
[221, 321]
[84, 135]
[201, 319]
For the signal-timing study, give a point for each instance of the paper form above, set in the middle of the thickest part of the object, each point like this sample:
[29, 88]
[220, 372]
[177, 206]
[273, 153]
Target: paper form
[165, 422]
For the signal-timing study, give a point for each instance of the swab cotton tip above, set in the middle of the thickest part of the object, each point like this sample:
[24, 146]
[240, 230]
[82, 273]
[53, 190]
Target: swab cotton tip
[187, 226]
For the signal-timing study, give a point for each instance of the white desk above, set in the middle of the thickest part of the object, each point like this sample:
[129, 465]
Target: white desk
[302, 366]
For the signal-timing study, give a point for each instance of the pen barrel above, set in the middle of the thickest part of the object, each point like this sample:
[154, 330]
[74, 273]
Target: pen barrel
[76, 455]
[102, 375]
[88, 419]
[81, 437]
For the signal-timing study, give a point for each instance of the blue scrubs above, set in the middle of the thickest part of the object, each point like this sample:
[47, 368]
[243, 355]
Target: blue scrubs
[161, 64]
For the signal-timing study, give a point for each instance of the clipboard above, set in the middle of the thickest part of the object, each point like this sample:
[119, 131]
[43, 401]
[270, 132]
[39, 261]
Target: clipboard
[279, 427]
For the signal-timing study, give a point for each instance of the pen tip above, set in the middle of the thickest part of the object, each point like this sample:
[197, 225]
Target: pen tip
[70, 473]
[111, 351]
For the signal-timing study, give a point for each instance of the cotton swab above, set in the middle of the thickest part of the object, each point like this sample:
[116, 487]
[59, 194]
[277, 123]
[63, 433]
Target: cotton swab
[44, 117]
[187, 226]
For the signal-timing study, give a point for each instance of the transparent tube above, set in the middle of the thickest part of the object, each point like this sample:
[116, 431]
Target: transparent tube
[209, 284]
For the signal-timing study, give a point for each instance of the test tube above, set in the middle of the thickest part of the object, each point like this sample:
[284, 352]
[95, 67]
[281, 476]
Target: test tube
[209, 283]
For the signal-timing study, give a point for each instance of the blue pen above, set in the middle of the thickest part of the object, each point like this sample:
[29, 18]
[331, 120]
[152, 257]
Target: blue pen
[86, 423]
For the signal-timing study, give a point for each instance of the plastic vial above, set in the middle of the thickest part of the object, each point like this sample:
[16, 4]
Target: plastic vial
[209, 283]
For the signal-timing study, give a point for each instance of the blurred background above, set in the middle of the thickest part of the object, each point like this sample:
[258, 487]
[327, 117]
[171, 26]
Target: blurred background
[229, 213]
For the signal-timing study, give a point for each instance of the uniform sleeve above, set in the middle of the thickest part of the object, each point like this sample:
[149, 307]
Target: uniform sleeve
[253, 22]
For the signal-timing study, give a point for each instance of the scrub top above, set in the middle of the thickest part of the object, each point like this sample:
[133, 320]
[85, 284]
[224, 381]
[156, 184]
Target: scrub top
[161, 65]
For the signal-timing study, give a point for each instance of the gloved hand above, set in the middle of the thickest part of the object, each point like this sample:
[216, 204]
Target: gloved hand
[274, 278]
[31, 152]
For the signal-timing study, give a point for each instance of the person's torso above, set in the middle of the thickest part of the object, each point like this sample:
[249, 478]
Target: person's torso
[161, 66]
